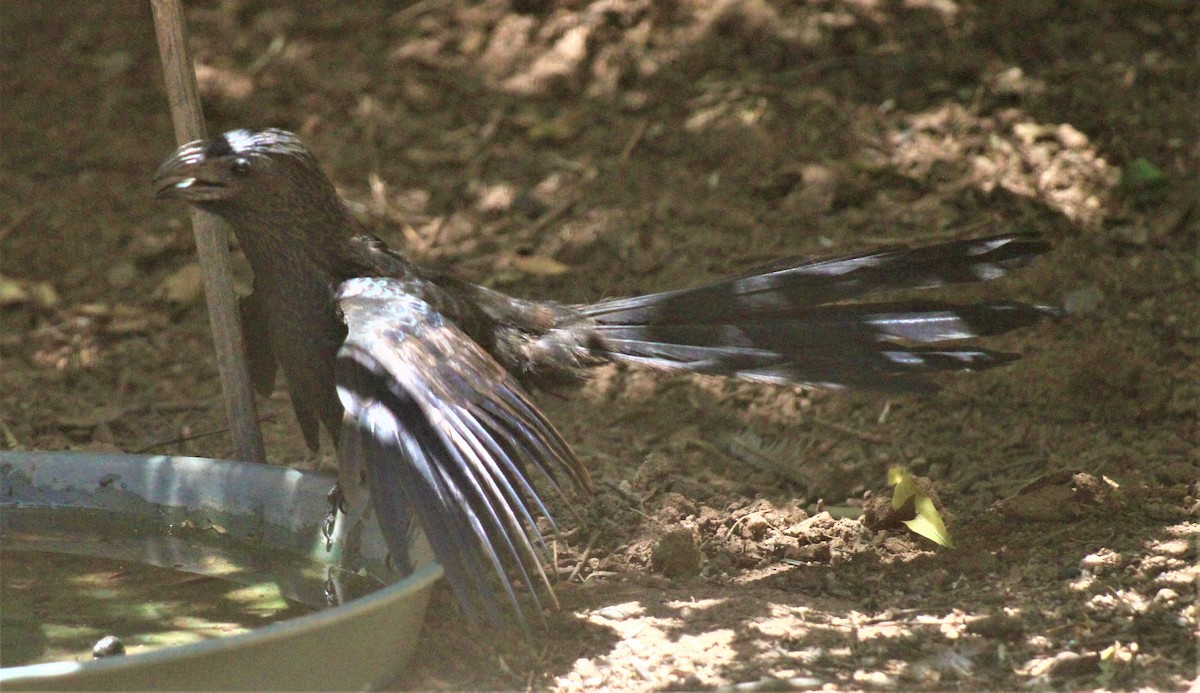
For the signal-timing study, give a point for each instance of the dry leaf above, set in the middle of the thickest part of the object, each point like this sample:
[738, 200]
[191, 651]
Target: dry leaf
[18, 291]
[127, 319]
[183, 287]
[540, 265]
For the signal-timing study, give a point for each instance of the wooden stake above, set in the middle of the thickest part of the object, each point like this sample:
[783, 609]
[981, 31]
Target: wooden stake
[212, 237]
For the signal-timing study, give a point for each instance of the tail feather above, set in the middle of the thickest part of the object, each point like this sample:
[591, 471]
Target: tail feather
[788, 325]
[872, 366]
[893, 370]
[816, 282]
[839, 324]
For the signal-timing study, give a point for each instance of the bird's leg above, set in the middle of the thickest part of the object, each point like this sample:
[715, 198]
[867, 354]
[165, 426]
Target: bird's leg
[337, 503]
[346, 490]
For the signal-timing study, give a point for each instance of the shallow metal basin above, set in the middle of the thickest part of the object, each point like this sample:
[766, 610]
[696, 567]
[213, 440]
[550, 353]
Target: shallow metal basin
[358, 644]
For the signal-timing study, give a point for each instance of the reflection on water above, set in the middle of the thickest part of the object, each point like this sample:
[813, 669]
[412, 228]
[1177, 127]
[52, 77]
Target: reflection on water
[69, 576]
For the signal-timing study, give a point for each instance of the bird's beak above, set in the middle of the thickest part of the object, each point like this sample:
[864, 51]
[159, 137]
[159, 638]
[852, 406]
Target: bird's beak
[188, 175]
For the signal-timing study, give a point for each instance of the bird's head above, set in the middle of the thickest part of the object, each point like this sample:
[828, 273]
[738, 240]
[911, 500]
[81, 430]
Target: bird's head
[264, 182]
[245, 170]
[229, 165]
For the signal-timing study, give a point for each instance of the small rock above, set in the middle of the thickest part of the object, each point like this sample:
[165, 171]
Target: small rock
[1166, 596]
[1031, 132]
[898, 546]
[619, 612]
[1100, 562]
[1070, 137]
[108, 646]
[495, 198]
[814, 528]
[755, 526]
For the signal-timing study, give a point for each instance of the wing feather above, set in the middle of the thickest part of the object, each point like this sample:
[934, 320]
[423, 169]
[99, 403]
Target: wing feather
[442, 429]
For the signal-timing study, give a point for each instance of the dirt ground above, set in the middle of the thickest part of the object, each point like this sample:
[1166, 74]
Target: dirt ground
[586, 149]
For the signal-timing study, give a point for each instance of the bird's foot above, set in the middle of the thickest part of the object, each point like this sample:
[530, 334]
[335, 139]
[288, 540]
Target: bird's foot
[337, 503]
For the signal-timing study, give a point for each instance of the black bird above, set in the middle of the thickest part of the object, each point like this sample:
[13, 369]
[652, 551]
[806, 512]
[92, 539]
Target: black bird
[423, 378]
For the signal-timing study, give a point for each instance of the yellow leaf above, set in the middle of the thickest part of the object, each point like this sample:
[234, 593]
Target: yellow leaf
[928, 523]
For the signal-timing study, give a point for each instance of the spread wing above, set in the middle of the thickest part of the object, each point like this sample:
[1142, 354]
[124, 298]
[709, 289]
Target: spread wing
[442, 429]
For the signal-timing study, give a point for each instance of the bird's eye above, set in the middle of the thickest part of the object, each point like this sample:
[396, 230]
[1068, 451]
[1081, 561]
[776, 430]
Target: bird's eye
[240, 166]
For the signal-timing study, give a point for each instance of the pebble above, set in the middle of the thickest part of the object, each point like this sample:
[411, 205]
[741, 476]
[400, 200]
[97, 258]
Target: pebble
[108, 646]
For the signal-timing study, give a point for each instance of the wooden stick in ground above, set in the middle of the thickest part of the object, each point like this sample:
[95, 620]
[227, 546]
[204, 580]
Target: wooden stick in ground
[212, 236]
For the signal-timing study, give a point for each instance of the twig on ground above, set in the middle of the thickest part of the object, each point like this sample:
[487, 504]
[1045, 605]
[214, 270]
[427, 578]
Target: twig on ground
[193, 436]
[634, 139]
[587, 552]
